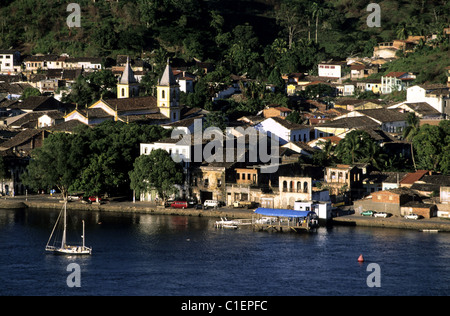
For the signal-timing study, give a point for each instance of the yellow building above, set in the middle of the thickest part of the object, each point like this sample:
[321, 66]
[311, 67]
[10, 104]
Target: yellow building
[128, 87]
[168, 93]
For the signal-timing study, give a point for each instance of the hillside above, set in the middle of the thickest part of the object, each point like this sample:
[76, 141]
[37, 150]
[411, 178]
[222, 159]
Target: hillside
[252, 30]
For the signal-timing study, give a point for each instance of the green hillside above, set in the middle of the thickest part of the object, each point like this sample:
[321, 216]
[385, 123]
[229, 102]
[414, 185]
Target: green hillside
[249, 35]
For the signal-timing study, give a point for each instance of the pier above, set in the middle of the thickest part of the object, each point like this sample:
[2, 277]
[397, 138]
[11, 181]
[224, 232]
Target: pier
[281, 220]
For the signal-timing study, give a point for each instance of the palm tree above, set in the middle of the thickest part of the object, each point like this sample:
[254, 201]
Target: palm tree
[402, 31]
[317, 11]
[410, 131]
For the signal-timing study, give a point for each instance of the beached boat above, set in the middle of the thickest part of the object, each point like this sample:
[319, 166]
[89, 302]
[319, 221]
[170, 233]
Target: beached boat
[62, 247]
[224, 223]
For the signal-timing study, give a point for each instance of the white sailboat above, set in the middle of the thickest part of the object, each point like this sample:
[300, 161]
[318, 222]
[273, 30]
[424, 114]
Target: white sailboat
[64, 248]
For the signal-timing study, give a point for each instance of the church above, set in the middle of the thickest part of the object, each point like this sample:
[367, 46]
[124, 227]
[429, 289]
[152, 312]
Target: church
[130, 107]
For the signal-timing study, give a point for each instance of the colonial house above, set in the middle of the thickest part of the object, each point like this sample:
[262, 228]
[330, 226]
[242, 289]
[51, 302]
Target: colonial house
[421, 109]
[285, 130]
[39, 62]
[346, 89]
[438, 96]
[86, 63]
[277, 111]
[340, 126]
[396, 81]
[388, 120]
[301, 148]
[16, 152]
[9, 61]
[361, 70]
[344, 180]
[369, 85]
[332, 69]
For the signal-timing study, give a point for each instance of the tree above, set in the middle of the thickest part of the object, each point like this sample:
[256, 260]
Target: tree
[432, 148]
[156, 171]
[326, 156]
[411, 130]
[317, 11]
[289, 17]
[113, 148]
[58, 162]
[30, 92]
[357, 146]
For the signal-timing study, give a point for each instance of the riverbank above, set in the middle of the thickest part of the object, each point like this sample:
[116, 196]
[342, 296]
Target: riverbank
[49, 202]
[435, 223]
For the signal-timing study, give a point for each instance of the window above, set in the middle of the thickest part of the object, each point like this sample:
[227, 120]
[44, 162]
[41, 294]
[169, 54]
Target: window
[305, 187]
[123, 92]
[163, 94]
[238, 176]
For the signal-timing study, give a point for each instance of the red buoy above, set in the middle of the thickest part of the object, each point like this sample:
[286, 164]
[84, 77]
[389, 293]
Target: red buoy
[360, 259]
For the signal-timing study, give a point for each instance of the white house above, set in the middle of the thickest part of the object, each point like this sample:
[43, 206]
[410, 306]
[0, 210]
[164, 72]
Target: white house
[284, 129]
[322, 209]
[396, 81]
[51, 118]
[389, 120]
[436, 96]
[86, 63]
[9, 61]
[331, 69]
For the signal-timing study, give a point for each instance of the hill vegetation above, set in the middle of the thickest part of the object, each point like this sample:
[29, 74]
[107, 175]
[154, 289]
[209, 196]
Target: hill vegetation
[248, 36]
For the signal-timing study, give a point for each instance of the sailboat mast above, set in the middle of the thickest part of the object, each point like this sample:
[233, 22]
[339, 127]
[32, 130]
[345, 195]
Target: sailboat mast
[63, 242]
[83, 234]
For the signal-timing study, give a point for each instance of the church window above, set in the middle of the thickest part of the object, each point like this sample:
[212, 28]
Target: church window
[163, 94]
[123, 92]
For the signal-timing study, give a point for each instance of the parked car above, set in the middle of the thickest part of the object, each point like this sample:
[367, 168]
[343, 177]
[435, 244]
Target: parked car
[211, 203]
[412, 216]
[179, 204]
[367, 213]
[381, 214]
[94, 199]
[75, 197]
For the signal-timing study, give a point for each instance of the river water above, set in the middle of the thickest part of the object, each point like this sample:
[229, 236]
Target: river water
[139, 254]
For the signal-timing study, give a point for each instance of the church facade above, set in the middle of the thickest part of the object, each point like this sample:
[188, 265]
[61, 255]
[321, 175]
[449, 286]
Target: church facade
[130, 107]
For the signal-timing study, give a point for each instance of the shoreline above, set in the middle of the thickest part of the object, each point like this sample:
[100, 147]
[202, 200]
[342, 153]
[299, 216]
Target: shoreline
[40, 202]
[121, 207]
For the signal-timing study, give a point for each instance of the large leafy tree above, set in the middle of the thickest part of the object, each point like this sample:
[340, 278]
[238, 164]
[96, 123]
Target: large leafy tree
[432, 147]
[156, 171]
[113, 147]
[358, 146]
[58, 163]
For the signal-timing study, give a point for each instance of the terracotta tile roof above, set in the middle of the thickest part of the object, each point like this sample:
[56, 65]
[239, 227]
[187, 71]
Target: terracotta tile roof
[412, 177]
[132, 104]
[395, 74]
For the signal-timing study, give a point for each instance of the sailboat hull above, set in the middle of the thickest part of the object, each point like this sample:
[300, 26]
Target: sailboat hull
[70, 250]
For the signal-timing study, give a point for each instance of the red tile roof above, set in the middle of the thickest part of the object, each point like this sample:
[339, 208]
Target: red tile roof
[412, 177]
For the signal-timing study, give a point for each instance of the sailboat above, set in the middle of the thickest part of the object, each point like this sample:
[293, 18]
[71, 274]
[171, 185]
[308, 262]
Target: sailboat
[64, 248]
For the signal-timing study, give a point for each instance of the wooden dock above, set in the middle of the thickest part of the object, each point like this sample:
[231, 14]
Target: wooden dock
[280, 227]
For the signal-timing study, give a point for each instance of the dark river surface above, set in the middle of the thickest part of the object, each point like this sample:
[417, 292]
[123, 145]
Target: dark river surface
[156, 255]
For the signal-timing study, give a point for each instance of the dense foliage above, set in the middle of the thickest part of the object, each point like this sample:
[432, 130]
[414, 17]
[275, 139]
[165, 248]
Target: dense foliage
[93, 160]
[249, 36]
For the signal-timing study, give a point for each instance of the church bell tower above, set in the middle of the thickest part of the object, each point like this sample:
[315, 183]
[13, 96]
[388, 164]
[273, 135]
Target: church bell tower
[168, 94]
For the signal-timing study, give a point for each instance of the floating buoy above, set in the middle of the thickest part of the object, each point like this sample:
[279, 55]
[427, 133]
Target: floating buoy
[360, 259]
